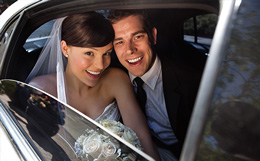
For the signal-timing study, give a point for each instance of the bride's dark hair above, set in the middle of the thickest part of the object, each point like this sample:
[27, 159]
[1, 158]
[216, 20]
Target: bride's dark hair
[89, 29]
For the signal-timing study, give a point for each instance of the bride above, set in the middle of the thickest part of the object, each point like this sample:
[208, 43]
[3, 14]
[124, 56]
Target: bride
[73, 66]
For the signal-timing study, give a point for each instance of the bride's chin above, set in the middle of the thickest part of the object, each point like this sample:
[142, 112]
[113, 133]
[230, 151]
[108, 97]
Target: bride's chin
[91, 83]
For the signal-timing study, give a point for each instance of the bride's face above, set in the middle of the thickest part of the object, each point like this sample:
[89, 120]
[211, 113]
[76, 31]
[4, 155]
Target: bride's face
[87, 64]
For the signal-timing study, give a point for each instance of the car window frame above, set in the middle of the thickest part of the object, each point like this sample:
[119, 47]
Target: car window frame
[209, 80]
[7, 38]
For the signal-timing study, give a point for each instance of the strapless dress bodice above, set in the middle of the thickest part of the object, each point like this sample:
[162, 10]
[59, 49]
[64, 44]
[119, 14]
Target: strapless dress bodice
[111, 112]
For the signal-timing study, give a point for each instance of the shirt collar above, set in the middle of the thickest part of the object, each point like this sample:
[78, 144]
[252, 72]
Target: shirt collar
[151, 76]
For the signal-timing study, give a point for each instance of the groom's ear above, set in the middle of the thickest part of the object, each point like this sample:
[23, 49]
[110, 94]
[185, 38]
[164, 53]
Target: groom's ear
[154, 35]
[64, 48]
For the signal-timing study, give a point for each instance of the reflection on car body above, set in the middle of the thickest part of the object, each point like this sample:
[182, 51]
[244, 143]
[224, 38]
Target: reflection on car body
[52, 127]
[229, 88]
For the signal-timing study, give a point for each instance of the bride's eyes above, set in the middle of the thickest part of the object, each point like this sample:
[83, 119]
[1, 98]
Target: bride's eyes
[89, 53]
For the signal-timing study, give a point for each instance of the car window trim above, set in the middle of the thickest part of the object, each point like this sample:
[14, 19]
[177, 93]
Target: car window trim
[21, 143]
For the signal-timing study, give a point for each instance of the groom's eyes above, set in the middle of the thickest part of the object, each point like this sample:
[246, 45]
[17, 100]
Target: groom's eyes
[118, 42]
[137, 37]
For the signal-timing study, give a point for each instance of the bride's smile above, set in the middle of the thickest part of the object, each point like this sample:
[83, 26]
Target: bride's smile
[93, 74]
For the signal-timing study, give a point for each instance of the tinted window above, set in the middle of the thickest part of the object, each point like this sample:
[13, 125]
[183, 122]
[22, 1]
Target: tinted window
[38, 38]
[233, 129]
[200, 29]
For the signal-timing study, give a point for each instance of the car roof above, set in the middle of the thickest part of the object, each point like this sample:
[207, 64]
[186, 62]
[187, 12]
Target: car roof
[13, 10]
[44, 9]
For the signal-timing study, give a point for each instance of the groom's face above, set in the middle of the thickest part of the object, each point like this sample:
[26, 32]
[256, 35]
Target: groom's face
[132, 45]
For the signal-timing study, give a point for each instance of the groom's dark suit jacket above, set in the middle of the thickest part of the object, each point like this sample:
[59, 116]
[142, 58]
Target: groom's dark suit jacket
[180, 85]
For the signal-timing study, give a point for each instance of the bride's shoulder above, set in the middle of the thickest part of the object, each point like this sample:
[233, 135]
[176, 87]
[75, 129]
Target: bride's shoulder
[112, 73]
[44, 78]
[115, 76]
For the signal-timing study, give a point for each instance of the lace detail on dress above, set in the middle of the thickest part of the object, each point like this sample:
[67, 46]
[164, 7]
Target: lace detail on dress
[111, 112]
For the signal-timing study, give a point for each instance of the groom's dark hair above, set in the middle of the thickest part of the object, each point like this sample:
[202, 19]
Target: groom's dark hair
[116, 15]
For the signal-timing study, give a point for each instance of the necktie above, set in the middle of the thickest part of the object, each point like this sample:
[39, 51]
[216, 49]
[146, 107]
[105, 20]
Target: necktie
[141, 95]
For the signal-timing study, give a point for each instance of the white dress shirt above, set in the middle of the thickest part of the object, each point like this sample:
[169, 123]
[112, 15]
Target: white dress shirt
[156, 112]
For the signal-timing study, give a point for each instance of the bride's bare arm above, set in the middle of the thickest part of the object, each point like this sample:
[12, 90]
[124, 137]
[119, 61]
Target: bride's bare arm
[46, 83]
[130, 110]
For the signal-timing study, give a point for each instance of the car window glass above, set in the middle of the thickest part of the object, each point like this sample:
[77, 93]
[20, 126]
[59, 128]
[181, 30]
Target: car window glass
[38, 38]
[232, 131]
[200, 29]
[59, 132]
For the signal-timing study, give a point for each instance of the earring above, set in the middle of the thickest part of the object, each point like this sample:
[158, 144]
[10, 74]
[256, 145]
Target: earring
[66, 55]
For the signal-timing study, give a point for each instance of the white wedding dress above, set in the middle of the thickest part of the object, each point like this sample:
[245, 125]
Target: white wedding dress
[111, 112]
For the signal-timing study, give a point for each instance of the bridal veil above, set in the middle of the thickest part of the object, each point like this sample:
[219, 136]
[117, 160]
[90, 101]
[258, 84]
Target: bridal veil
[51, 60]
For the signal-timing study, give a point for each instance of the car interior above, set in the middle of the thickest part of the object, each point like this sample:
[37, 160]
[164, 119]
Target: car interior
[179, 28]
[172, 39]
[184, 34]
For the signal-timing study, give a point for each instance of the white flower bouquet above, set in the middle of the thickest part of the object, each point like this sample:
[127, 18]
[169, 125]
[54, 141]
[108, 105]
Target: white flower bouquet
[101, 147]
[123, 131]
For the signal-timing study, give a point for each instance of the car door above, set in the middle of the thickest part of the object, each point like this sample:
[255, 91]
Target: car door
[42, 128]
[225, 123]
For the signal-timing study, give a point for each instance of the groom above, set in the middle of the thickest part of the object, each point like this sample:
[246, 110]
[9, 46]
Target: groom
[169, 87]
